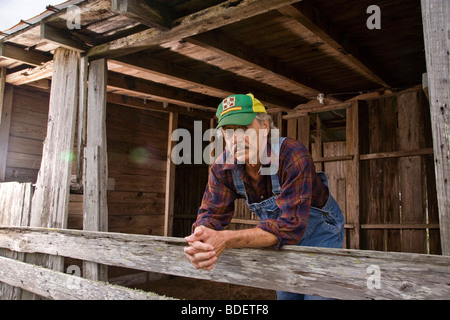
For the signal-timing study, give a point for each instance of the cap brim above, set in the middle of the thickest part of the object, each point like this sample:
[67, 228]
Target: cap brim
[240, 119]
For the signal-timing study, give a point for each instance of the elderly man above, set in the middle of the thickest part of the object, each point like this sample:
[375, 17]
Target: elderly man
[293, 203]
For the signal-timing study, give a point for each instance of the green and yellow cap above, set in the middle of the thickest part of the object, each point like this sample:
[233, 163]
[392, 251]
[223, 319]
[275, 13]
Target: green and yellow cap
[239, 109]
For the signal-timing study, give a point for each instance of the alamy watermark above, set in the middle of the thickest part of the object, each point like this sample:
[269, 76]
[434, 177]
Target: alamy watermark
[228, 147]
[73, 17]
[374, 21]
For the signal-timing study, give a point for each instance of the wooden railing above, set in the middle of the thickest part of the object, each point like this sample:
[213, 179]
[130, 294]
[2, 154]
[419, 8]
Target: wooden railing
[335, 273]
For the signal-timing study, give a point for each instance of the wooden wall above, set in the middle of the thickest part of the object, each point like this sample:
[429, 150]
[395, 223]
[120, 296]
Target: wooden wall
[27, 133]
[137, 147]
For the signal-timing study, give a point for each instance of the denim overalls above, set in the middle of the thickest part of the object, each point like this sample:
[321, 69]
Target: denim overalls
[325, 226]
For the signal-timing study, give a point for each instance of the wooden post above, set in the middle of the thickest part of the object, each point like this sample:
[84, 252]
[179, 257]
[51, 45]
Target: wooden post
[170, 178]
[6, 98]
[81, 123]
[51, 197]
[436, 27]
[96, 162]
[50, 203]
[303, 130]
[352, 168]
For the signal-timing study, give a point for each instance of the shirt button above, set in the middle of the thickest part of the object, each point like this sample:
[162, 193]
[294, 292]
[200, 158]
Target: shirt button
[262, 197]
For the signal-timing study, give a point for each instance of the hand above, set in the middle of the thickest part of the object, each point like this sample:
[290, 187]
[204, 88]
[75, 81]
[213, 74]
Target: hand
[205, 247]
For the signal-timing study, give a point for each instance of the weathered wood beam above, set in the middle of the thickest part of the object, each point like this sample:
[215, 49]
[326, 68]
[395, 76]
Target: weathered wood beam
[353, 175]
[156, 106]
[50, 203]
[62, 37]
[170, 178]
[160, 92]
[31, 74]
[223, 14]
[149, 13]
[436, 28]
[339, 273]
[6, 99]
[331, 34]
[206, 81]
[220, 43]
[95, 204]
[61, 286]
[30, 57]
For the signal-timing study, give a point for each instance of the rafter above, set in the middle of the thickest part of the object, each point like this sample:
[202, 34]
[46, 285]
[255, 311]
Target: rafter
[220, 43]
[160, 92]
[223, 14]
[332, 35]
[16, 53]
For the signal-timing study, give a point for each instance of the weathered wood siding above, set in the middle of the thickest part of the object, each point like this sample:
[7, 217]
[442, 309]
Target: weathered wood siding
[27, 133]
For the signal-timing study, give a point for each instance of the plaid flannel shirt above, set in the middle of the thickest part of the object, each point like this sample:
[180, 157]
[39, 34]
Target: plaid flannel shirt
[301, 188]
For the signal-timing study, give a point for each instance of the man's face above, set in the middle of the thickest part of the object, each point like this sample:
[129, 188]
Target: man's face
[245, 142]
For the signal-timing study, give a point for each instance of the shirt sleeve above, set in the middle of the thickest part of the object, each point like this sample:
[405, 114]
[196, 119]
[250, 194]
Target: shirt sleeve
[294, 202]
[217, 207]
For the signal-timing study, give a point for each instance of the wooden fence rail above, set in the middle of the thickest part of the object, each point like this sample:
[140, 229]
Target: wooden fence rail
[337, 273]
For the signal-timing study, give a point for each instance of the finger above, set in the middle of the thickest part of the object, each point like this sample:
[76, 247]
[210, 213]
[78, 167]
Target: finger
[201, 246]
[197, 235]
[207, 264]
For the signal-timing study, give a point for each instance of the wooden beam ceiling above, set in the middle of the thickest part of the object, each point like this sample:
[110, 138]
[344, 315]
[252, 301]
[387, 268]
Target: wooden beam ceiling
[207, 82]
[160, 92]
[29, 57]
[220, 43]
[205, 20]
[154, 16]
[332, 35]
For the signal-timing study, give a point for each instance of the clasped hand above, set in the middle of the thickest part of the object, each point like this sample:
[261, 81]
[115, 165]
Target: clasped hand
[205, 247]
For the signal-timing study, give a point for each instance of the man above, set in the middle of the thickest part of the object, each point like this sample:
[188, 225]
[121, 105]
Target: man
[293, 202]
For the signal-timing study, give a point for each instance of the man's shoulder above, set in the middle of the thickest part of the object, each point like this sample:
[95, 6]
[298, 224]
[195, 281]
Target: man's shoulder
[292, 150]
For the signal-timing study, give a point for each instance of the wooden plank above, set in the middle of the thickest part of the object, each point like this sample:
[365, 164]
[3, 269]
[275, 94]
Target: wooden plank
[220, 43]
[160, 92]
[330, 33]
[51, 197]
[62, 38]
[170, 178]
[61, 286]
[31, 74]
[30, 57]
[436, 24]
[396, 154]
[6, 100]
[303, 131]
[339, 273]
[211, 18]
[411, 174]
[352, 176]
[154, 16]
[96, 163]
[81, 117]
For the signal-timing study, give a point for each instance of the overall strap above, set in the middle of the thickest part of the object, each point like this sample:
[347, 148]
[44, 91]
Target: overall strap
[238, 183]
[276, 188]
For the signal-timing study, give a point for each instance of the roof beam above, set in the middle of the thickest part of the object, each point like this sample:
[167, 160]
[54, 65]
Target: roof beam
[332, 35]
[156, 106]
[30, 75]
[160, 92]
[214, 17]
[220, 43]
[208, 82]
[16, 53]
[154, 15]
[61, 37]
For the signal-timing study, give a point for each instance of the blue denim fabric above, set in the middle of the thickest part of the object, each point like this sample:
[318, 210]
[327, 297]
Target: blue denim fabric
[325, 226]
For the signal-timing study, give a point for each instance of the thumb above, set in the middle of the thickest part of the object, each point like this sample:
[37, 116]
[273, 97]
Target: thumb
[198, 235]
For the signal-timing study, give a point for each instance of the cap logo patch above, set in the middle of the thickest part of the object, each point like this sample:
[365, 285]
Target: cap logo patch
[229, 103]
